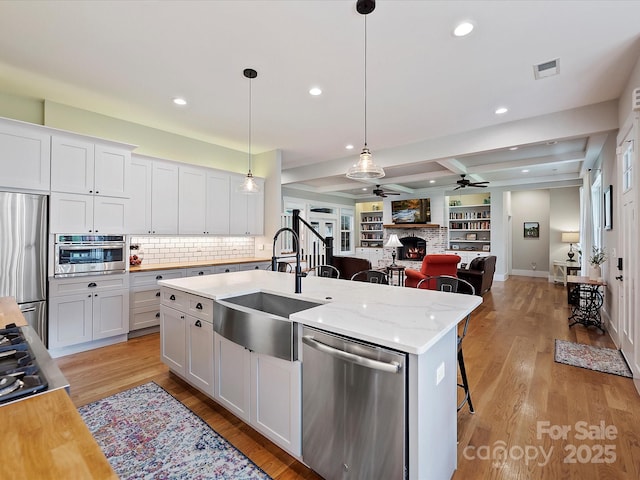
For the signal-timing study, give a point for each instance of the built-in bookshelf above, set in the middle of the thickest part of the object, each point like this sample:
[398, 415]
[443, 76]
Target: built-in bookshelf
[371, 229]
[470, 222]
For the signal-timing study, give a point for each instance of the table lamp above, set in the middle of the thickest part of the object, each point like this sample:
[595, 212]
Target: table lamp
[570, 238]
[393, 242]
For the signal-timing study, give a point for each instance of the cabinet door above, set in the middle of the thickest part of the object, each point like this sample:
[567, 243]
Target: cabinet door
[232, 377]
[110, 214]
[246, 211]
[111, 171]
[71, 213]
[164, 198]
[110, 314]
[172, 336]
[70, 320]
[217, 213]
[144, 317]
[25, 158]
[140, 204]
[276, 399]
[192, 201]
[200, 354]
[72, 165]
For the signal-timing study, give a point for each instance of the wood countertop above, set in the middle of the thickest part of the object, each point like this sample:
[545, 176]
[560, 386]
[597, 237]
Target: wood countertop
[45, 433]
[150, 267]
[48, 439]
[10, 313]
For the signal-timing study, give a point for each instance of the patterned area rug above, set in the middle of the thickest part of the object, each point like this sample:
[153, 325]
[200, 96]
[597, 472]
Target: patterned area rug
[145, 433]
[601, 359]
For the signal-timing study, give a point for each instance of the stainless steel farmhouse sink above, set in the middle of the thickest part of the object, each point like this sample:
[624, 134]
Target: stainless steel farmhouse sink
[260, 322]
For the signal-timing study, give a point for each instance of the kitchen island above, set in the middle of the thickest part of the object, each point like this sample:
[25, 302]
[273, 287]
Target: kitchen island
[420, 323]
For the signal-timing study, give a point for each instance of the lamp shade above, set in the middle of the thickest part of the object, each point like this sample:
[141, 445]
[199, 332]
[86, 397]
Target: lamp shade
[393, 241]
[570, 237]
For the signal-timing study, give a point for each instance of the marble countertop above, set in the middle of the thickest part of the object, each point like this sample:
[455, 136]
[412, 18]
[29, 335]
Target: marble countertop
[405, 319]
[150, 267]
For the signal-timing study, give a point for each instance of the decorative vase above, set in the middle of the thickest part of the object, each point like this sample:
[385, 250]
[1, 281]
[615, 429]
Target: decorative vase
[595, 272]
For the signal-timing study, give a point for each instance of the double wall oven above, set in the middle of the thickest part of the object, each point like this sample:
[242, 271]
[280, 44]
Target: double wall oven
[89, 255]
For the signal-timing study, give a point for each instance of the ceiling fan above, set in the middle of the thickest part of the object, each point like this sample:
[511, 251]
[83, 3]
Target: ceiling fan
[381, 193]
[463, 182]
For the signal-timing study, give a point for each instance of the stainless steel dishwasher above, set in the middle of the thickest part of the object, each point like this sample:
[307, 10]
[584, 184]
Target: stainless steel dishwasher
[353, 408]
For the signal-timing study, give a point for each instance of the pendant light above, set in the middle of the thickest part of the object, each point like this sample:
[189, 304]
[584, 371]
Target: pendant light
[365, 168]
[249, 186]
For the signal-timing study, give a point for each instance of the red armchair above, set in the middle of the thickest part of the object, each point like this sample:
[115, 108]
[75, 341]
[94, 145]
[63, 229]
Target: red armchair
[434, 264]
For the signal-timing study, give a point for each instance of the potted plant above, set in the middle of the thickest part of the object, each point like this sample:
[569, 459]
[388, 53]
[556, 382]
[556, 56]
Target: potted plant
[597, 258]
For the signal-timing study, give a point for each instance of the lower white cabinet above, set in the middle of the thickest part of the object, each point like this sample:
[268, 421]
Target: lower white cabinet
[172, 336]
[85, 309]
[144, 299]
[199, 354]
[263, 391]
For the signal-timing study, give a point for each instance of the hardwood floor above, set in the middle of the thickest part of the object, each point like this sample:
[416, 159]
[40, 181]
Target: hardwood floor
[522, 398]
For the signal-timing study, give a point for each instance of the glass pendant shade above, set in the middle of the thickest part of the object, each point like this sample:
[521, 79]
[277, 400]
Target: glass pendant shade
[249, 185]
[365, 168]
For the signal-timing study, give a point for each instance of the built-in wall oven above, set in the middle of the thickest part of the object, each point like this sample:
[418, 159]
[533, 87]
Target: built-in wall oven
[89, 254]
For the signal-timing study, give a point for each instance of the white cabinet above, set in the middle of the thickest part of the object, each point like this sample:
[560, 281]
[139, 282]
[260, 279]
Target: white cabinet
[144, 297]
[246, 211]
[470, 222]
[75, 213]
[371, 231]
[203, 201]
[140, 206]
[233, 377]
[25, 154]
[86, 309]
[186, 333]
[262, 390]
[242, 267]
[200, 271]
[84, 167]
[374, 255]
[164, 198]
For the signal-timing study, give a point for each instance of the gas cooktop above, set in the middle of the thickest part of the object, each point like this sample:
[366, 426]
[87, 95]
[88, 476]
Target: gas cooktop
[20, 374]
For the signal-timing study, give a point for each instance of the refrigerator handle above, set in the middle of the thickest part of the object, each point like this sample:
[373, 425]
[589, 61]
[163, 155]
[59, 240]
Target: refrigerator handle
[27, 310]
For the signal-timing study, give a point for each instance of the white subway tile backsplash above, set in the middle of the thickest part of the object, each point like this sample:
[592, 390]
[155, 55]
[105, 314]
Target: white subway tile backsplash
[158, 249]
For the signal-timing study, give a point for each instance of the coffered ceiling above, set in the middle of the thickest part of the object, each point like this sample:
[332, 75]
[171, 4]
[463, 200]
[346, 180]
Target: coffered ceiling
[431, 96]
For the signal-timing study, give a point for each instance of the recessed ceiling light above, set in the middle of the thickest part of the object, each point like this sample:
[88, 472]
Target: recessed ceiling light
[501, 110]
[525, 171]
[349, 147]
[462, 29]
[180, 101]
[315, 91]
[432, 181]
[513, 148]
[364, 189]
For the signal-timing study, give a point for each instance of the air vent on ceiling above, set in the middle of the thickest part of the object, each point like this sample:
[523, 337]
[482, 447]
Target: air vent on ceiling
[546, 69]
[635, 100]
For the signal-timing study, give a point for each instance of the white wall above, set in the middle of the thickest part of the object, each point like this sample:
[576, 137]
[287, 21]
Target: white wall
[530, 256]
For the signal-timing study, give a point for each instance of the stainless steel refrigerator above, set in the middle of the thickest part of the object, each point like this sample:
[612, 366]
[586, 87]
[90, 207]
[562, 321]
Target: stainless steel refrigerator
[23, 255]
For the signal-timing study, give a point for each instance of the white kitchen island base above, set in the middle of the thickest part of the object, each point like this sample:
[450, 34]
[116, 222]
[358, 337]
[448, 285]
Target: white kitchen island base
[420, 323]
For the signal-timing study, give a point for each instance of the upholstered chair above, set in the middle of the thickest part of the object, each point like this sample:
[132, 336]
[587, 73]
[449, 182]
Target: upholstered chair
[432, 265]
[480, 273]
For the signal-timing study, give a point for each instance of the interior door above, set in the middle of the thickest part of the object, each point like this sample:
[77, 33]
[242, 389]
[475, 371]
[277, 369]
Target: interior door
[628, 248]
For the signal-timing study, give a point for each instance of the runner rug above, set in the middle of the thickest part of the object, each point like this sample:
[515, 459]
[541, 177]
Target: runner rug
[145, 433]
[607, 360]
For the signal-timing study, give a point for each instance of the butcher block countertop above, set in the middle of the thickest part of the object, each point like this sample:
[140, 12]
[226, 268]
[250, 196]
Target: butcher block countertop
[150, 267]
[45, 434]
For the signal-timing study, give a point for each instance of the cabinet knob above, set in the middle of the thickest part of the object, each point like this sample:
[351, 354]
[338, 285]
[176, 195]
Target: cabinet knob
[172, 297]
[95, 294]
[200, 273]
[97, 192]
[227, 270]
[157, 294]
[89, 296]
[198, 323]
[182, 317]
[158, 277]
[158, 315]
[90, 191]
[199, 306]
[92, 285]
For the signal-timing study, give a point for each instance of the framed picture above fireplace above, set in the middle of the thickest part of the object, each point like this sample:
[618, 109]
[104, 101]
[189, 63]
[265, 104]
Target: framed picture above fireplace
[417, 210]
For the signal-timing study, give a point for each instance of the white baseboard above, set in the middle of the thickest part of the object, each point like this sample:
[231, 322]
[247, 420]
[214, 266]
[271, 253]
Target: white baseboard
[83, 347]
[530, 273]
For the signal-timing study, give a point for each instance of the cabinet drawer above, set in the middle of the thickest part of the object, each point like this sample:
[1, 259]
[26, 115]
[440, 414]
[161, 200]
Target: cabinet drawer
[175, 299]
[144, 317]
[69, 286]
[197, 271]
[145, 298]
[225, 268]
[139, 279]
[253, 266]
[201, 307]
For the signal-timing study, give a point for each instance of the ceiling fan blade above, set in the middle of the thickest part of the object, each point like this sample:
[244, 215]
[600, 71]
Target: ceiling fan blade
[459, 187]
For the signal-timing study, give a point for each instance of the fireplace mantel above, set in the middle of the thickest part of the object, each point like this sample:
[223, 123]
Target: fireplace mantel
[412, 225]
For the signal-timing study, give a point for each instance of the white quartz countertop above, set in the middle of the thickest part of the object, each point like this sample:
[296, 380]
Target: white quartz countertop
[405, 319]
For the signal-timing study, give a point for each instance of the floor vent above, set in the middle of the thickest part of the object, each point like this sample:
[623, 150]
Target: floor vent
[546, 69]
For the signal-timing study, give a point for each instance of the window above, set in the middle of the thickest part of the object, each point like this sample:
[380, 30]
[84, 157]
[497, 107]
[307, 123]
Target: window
[346, 230]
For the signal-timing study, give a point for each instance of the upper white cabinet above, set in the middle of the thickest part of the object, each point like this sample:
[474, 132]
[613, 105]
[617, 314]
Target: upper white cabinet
[24, 157]
[140, 211]
[246, 211]
[203, 201]
[84, 167]
[75, 213]
[164, 198]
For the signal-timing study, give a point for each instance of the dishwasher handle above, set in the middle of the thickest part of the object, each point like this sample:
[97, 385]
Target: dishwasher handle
[392, 367]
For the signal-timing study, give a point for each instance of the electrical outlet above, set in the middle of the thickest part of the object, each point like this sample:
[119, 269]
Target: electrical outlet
[440, 373]
[534, 265]
[261, 246]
